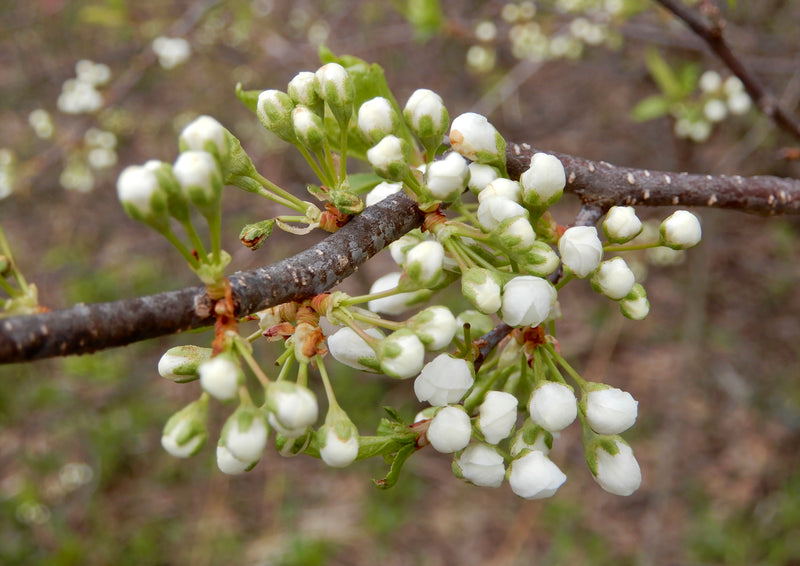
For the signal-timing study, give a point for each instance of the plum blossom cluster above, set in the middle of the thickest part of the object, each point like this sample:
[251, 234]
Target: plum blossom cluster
[486, 237]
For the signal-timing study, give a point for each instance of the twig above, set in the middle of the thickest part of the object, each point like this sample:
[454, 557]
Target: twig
[88, 328]
[712, 32]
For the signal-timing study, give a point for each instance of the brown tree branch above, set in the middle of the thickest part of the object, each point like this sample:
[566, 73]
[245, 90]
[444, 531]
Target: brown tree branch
[88, 328]
[711, 30]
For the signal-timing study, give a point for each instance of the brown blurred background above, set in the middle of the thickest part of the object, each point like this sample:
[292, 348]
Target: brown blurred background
[83, 479]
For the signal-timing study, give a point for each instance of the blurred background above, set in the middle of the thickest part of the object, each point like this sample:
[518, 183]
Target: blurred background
[89, 86]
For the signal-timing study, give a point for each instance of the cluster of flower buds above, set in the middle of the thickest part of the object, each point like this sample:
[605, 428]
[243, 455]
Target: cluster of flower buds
[497, 411]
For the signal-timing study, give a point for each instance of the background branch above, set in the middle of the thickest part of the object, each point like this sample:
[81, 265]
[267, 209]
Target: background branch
[88, 328]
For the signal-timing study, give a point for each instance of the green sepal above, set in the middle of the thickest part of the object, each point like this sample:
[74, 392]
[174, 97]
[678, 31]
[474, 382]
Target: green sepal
[248, 97]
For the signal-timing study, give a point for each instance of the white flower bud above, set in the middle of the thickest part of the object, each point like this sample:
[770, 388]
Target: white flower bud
[447, 178]
[527, 301]
[140, 193]
[680, 230]
[204, 133]
[715, 110]
[292, 408]
[444, 380]
[338, 439]
[388, 158]
[539, 259]
[635, 306]
[710, 81]
[610, 410]
[171, 51]
[302, 89]
[505, 188]
[221, 377]
[274, 110]
[349, 348]
[621, 224]
[185, 431]
[493, 210]
[515, 234]
[308, 128]
[337, 89]
[435, 327]
[497, 416]
[475, 138]
[532, 437]
[481, 287]
[614, 279]
[481, 465]
[553, 406]
[617, 473]
[480, 175]
[228, 464]
[581, 250]
[199, 176]
[739, 103]
[427, 116]
[424, 263]
[376, 119]
[394, 304]
[179, 364]
[544, 181]
[535, 476]
[381, 191]
[450, 430]
[245, 434]
[401, 354]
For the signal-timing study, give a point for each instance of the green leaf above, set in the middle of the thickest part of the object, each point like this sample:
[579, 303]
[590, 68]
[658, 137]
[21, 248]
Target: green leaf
[397, 465]
[650, 108]
[662, 74]
[361, 183]
[425, 16]
[248, 97]
[688, 77]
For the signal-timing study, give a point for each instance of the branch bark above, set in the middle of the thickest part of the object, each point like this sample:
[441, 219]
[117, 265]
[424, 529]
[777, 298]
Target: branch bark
[87, 328]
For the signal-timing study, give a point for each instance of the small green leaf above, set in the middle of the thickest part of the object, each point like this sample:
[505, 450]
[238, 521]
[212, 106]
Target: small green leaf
[425, 16]
[662, 74]
[248, 97]
[397, 465]
[650, 108]
[361, 183]
[688, 77]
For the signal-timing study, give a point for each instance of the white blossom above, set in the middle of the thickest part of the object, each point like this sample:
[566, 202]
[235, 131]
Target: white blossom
[426, 115]
[535, 476]
[199, 176]
[621, 224]
[450, 430]
[681, 230]
[497, 416]
[435, 327]
[136, 188]
[388, 159]
[481, 465]
[221, 377]
[619, 473]
[553, 406]
[443, 380]
[481, 288]
[614, 279]
[401, 354]
[376, 118]
[493, 210]
[475, 138]
[581, 249]
[171, 51]
[544, 181]
[447, 178]
[527, 301]
[610, 410]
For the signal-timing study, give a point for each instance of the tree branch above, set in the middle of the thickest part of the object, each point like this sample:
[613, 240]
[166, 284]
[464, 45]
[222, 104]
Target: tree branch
[88, 328]
[711, 31]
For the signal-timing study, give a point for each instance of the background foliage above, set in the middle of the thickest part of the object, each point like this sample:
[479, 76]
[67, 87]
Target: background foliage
[83, 479]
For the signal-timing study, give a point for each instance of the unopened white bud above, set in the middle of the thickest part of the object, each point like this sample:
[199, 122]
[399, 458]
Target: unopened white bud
[292, 408]
[475, 138]
[221, 377]
[245, 434]
[337, 89]
[581, 250]
[635, 305]
[199, 176]
[381, 191]
[617, 473]
[739, 103]
[444, 380]
[544, 181]
[715, 110]
[141, 195]
[681, 230]
[376, 119]
[481, 465]
[450, 430]
[401, 354]
[710, 81]
[481, 287]
[185, 431]
[527, 301]
[179, 364]
[393, 304]
[308, 128]
[388, 158]
[435, 327]
[493, 210]
[427, 116]
[447, 178]
[204, 133]
[274, 110]
[621, 224]
[350, 349]
[497, 416]
[614, 279]
[553, 406]
[535, 476]
[424, 263]
[480, 175]
[302, 89]
[338, 439]
[610, 410]
[228, 463]
[501, 187]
